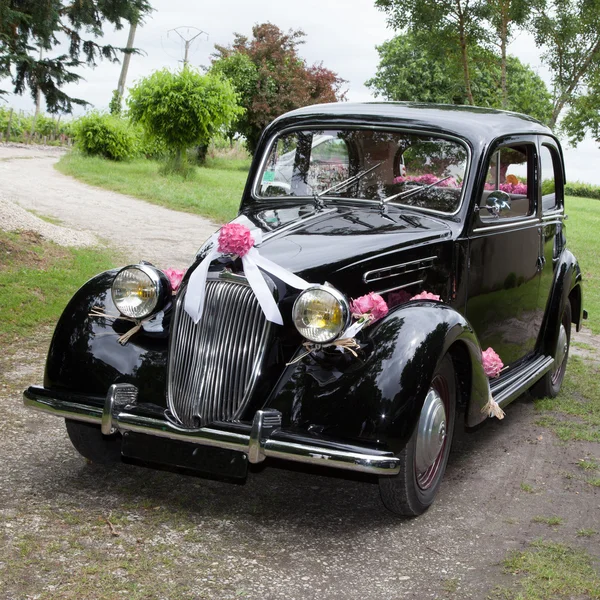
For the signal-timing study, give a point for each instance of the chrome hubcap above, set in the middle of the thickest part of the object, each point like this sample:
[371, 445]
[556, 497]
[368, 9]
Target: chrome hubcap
[431, 435]
[562, 347]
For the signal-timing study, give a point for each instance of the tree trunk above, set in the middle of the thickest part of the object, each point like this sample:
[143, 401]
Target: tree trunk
[126, 59]
[463, 53]
[503, 42]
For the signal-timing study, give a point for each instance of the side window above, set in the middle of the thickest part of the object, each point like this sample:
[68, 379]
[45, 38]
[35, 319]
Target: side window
[550, 178]
[507, 193]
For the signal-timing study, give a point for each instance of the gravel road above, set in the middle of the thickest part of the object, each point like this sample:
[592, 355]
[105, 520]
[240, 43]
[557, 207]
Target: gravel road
[138, 229]
[73, 530]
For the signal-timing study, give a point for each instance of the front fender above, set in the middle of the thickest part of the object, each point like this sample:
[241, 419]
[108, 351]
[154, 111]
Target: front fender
[378, 397]
[85, 356]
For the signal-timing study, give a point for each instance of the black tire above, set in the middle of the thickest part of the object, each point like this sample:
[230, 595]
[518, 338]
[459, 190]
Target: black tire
[411, 493]
[91, 444]
[549, 385]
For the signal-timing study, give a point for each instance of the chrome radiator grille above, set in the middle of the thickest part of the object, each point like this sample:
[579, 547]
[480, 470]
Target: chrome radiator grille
[214, 365]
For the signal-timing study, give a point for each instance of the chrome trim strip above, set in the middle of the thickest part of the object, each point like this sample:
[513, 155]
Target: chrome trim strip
[523, 380]
[257, 449]
[513, 225]
[550, 216]
[371, 127]
[366, 274]
[400, 287]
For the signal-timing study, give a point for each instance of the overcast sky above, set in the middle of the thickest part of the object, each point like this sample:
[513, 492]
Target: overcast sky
[341, 34]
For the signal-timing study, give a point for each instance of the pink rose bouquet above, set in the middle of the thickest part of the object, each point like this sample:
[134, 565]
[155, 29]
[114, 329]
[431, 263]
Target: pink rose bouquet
[235, 239]
[426, 296]
[399, 297]
[175, 276]
[492, 364]
[372, 305]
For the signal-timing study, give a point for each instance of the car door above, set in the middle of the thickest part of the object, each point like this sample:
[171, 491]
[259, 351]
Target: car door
[551, 208]
[504, 252]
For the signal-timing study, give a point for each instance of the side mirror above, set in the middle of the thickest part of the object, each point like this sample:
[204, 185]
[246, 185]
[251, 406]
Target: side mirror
[497, 202]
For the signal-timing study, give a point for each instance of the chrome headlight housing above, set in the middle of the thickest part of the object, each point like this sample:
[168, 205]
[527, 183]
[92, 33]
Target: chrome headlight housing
[139, 290]
[321, 314]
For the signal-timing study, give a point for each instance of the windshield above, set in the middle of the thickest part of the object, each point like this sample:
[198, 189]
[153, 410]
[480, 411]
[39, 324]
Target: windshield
[363, 164]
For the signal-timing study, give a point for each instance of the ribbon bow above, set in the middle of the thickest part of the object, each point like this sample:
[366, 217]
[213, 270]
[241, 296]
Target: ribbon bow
[238, 239]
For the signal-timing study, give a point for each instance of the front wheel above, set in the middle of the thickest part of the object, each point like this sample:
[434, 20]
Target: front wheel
[423, 460]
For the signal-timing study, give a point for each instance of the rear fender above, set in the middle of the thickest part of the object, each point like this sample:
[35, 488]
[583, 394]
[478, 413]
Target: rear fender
[378, 397]
[566, 285]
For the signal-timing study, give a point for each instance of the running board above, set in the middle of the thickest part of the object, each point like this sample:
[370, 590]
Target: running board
[513, 384]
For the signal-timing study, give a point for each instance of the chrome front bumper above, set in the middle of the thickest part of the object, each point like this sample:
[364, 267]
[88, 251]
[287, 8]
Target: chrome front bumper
[265, 438]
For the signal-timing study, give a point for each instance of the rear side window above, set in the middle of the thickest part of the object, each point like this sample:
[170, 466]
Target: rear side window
[509, 172]
[550, 178]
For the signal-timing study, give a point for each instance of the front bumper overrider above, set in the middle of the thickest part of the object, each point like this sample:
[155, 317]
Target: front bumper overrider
[265, 438]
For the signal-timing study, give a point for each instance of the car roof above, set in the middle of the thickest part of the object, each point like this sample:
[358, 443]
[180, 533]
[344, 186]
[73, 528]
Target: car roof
[470, 122]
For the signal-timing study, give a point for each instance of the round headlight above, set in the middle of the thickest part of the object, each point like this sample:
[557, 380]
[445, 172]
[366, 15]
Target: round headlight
[321, 314]
[136, 291]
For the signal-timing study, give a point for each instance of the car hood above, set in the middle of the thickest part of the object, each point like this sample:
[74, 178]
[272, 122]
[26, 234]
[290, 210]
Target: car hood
[316, 245]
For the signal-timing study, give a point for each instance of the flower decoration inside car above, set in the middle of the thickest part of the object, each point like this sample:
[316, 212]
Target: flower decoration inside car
[237, 240]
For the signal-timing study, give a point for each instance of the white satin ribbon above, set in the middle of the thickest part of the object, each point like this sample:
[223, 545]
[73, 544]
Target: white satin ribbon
[252, 262]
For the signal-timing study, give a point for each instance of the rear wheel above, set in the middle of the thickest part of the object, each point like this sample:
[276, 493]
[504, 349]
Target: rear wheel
[91, 444]
[549, 385]
[423, 460]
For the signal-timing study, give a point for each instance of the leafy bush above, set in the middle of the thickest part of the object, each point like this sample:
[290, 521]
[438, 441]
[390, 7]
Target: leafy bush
[99, 134]
[583, 190]
[182, 109]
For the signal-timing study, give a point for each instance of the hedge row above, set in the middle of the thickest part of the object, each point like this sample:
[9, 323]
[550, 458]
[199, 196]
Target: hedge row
[583, 190]
[22, 125]
[114, 137]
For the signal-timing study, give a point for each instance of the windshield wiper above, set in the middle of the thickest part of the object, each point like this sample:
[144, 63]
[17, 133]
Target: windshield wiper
[343, 184]
[408, 193]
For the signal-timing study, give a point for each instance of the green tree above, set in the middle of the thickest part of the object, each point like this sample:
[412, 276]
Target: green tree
[31, 32]
[568, 34]
[272, 78]
[455, 25]
[239, 69]
[410, 71]
[183, 109]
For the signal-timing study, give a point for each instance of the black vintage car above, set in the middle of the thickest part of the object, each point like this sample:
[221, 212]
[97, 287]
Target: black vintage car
[448, 220]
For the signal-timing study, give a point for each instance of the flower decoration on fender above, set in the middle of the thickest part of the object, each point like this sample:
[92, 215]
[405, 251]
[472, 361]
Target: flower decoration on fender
[365, 310]
[175, 277]
[236, 239]
[426, 296]
[370, 306]
[492, 365]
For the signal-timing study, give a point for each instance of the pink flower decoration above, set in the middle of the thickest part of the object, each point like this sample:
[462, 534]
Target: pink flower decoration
[426, 296]
[492, 365]
[371, 304]
[399, 297]
[428, 179]
[235, 239]
[175, 276]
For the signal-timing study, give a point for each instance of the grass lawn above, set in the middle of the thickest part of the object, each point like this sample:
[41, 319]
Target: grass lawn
[213, 191]
[583, 239]
[38, 278]
[549, 571]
